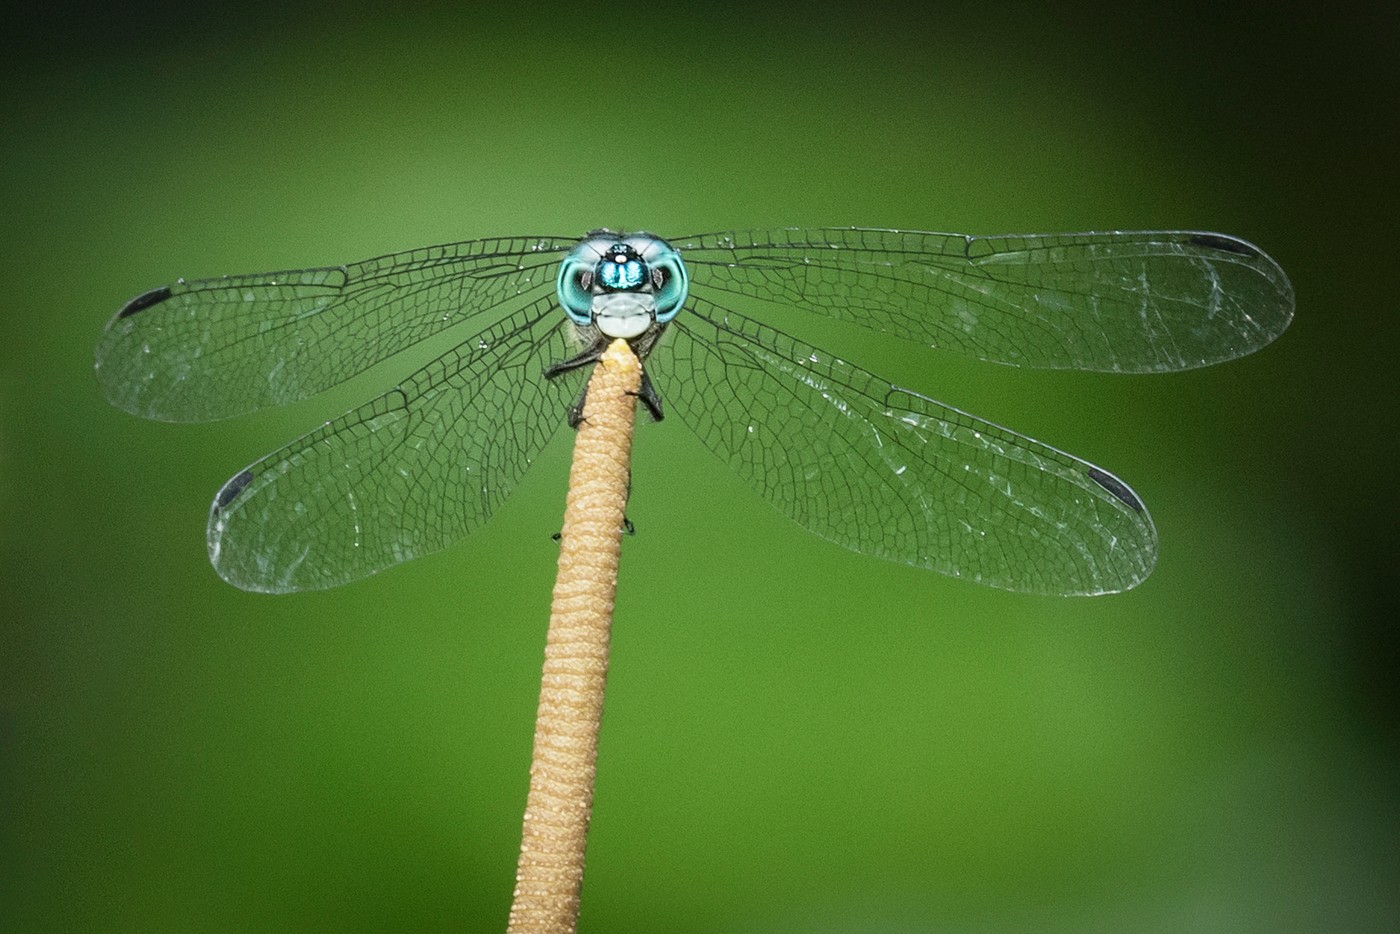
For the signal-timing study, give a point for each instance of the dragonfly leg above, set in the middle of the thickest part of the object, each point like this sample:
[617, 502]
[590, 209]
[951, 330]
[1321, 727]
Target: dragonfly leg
[650, 397]
[627, 527]
[590, 356]
[647, 394]
[575, 414]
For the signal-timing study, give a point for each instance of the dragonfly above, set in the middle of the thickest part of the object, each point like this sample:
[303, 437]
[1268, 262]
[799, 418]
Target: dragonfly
[878, 468]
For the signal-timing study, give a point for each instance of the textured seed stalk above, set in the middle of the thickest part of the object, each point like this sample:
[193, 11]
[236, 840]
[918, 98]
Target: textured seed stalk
[550, 872]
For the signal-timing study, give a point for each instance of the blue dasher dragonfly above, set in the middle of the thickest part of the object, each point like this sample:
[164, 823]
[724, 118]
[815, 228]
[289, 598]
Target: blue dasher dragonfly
[872, 466]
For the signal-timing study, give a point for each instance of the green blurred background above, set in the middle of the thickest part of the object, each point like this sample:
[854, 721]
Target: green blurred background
[797, 738]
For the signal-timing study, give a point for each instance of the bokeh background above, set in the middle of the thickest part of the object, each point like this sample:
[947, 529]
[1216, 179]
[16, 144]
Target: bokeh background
[797, 738]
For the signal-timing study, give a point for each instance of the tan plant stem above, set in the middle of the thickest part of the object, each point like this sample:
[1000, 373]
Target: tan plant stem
[557, 810]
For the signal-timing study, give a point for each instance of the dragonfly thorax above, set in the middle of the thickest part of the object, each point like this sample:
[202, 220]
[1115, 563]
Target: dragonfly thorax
[622, 284]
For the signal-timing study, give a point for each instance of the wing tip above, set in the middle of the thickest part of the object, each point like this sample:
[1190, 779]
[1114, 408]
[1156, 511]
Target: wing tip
[143, 301]
[1224, 242]
[230, 490]
[1117, 488]
[1273, 320]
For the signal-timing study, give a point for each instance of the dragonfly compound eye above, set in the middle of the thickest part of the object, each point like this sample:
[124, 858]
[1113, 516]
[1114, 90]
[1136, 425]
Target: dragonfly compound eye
[670, 284]
[575, 288]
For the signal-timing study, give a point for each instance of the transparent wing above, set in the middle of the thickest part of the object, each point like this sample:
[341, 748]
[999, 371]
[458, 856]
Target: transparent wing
[212, 348]
[888, 472]
[1117, 302]
[405, 474]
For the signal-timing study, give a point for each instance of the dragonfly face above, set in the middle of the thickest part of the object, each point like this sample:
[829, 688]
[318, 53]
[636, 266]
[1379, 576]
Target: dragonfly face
[622, 284]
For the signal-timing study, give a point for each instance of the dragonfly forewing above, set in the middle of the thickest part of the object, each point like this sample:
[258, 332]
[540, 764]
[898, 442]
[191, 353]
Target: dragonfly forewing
[212, 348]
[1136, 302]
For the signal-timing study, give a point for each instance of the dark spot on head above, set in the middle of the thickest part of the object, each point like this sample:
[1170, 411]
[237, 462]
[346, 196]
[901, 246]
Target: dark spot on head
[1115, 486]
[231, 489]
[1222, 242]
[144, 300]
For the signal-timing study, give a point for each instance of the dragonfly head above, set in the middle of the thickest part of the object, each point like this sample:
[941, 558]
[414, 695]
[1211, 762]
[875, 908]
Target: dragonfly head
[622, 284]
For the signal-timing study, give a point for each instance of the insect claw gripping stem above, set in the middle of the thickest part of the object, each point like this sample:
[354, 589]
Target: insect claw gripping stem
[650, 397]
[646, 392]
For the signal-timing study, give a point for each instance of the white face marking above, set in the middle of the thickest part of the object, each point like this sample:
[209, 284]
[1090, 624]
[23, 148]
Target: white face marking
[623, 314]
[628, 327]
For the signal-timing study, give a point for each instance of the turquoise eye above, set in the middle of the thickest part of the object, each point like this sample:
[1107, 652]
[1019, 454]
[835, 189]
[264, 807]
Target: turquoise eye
[671, 284]
[575, 288]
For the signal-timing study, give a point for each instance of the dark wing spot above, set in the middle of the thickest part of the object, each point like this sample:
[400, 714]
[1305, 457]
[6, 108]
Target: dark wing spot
[231, 489]
[144, 300]
[1115, 486]
[1221, 242]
